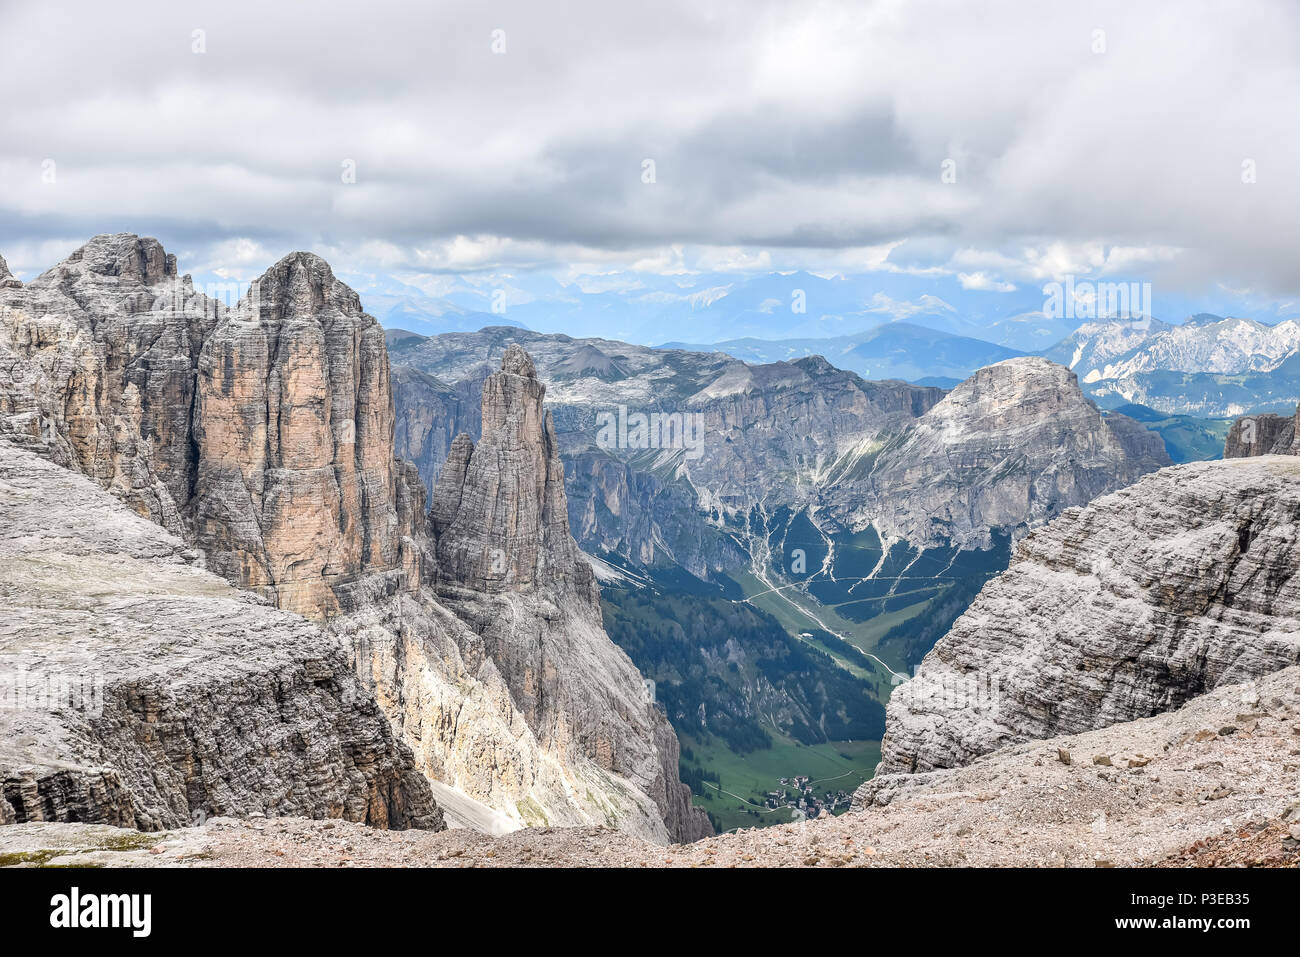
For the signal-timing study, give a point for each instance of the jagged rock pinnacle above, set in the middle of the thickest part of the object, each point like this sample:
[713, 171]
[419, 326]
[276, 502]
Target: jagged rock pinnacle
[127, 256]
[517, 361]
[7, 279]
[499, 509]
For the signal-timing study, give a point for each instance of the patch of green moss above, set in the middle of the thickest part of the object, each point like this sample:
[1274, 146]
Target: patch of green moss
[69, 867]
[532, 813]
[37, 858]
[128, 841]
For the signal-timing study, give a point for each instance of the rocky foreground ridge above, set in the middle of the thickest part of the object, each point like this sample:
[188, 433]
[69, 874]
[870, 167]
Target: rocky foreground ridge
[1180, 584]
[262, 435]
[1214, 782]
[142, 691]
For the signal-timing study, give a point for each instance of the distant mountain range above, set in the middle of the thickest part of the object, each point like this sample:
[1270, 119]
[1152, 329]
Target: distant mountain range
[1208, 366]
[897, 350]
[710, 307]
[880, 325]
[1204, 343]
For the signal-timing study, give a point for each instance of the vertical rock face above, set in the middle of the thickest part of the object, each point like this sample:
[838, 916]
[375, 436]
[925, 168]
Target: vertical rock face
[263, 435]
[430, 414]
[1262, 435]
[98, 356]
[144, 692]
[499, 512]
[1132, 606]
[7, 279]
[296, 487]
[1010, 447]
[508, 566]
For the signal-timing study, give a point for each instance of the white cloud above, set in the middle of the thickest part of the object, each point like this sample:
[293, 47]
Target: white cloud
[984, 282]
[785, 135]
[926, 305]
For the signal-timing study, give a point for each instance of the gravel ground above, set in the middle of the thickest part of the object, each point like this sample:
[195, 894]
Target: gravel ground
[1215, 783]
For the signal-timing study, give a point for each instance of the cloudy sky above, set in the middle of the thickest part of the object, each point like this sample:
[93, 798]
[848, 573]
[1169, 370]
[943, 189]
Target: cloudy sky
[992, 145]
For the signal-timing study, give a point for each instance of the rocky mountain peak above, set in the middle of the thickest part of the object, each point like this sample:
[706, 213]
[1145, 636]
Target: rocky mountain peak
[517, 361]
[300, 285]
[1015, 380]
[512, 398]
[126, 256]
[1130, 607]
[263, 435]
[7, 279]
[294, 427]
[1008, 448]
[508, 565]
[815, 365]
[267, 443]
[499, 509]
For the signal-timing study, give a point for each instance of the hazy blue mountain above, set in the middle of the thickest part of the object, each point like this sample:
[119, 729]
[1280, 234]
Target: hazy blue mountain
[896, 350]
[716, 306]
[1203, 394]
[709, 307]
[428, 316]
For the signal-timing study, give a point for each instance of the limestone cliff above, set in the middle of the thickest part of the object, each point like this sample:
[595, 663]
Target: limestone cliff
[97, 360]
[263, 435]
[509, 567]
[1127, 608]
[1264, 434]
[499, 512]
[142, 691]
[1009, 448]
[7, 279]
[295, 483]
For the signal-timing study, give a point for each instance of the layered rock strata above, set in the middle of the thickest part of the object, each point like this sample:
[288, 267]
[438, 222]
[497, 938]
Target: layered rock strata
[1212, 783]
[1265, 434]
[142, 691]
[508, 566]
[1130, 607]
[263, 434]
[296, 489]
[1009, 448]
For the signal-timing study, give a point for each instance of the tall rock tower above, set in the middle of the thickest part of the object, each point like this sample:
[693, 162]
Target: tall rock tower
[262, 434]
[508, 565]
[296, 484]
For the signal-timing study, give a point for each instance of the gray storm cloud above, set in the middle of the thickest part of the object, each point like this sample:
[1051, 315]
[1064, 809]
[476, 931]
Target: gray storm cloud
[808, 128]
